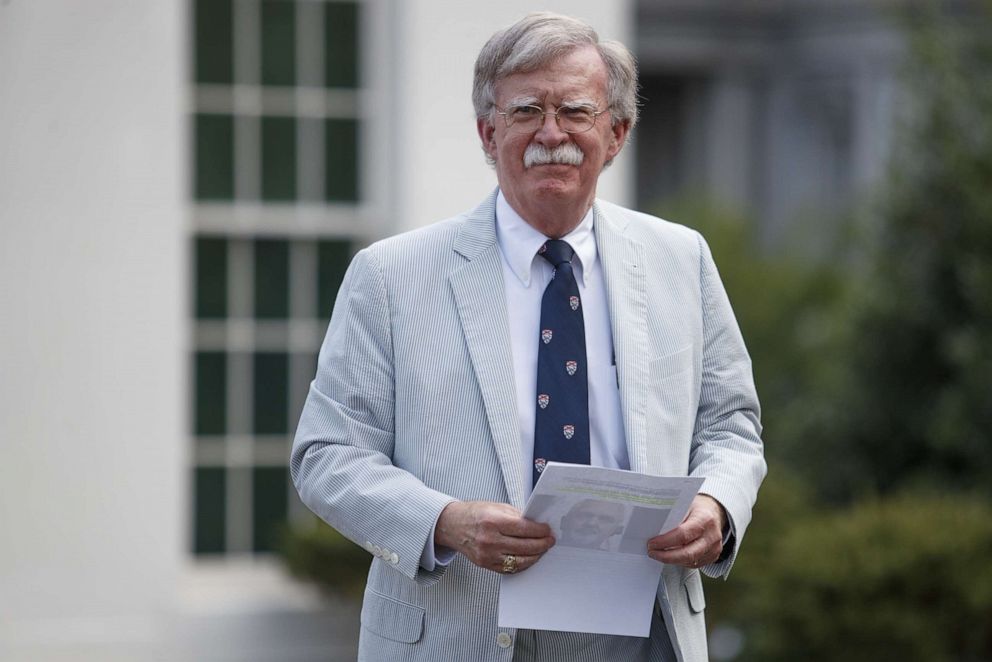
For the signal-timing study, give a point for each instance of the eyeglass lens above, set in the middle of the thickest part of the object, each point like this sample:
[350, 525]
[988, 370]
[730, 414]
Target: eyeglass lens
[570, 120]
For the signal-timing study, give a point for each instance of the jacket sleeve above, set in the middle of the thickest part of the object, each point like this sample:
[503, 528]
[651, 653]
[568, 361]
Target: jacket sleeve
[341, 458]
[726, 442]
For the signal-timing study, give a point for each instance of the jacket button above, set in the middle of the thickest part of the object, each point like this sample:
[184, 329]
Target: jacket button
[503, 640]
[394, 558]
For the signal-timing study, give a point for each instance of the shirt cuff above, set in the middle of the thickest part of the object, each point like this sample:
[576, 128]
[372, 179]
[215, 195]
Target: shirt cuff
[431, 557]
[728, 538]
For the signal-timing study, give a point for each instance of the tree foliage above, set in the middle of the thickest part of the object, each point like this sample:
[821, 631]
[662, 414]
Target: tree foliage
[876, 386]
[913, 404]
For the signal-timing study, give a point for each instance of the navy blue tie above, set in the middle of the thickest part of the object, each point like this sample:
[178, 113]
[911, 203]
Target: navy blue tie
[561, 427]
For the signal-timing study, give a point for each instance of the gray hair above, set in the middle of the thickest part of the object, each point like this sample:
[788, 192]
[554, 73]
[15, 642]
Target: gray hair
[540, 38]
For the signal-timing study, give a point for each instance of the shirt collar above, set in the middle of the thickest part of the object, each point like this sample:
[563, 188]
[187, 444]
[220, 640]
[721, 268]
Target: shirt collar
[519, 241]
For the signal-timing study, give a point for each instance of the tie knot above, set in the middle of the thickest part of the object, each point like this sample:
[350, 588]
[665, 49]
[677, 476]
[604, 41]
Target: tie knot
[556, 251]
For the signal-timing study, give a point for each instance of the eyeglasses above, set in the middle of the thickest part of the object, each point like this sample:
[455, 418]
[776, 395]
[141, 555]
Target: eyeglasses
[570, 119]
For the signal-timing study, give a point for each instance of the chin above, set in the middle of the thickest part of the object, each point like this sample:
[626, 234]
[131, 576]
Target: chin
[557, 189]
[556, 180]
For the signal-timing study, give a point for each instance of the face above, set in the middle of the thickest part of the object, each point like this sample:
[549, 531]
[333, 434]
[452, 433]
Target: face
[590, 523]
[546, 191]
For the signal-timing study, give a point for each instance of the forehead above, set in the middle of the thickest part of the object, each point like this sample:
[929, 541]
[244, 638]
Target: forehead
[580, 73]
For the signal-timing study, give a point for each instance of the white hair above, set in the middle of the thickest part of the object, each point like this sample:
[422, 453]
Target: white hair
[540, 38]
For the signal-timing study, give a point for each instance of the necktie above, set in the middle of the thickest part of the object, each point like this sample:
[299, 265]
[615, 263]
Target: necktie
[561, 428]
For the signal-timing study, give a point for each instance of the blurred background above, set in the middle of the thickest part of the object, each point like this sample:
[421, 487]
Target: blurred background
[183, 182]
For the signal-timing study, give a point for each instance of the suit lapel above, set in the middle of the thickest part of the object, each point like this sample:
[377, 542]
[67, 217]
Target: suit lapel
[480, 298]
[623, 270]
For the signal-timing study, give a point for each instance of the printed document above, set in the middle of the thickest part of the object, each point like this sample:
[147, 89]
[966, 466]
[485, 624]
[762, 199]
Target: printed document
[598, 577]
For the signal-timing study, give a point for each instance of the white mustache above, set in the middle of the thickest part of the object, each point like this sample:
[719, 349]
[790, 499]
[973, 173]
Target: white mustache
[564, 154]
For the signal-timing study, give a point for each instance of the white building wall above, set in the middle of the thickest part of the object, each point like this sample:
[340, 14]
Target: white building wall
[93, 303]
[94, 284]
[441, 169]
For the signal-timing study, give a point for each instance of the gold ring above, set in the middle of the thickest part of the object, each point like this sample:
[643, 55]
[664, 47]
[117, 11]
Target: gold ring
[509, 564]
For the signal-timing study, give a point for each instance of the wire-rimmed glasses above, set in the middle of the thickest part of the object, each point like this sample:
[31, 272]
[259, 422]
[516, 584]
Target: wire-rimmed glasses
[571, 119]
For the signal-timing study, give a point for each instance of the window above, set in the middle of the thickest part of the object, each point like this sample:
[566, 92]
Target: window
[276, 217]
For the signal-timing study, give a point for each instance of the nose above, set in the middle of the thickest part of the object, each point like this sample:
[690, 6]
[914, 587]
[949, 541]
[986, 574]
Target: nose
[550, 134]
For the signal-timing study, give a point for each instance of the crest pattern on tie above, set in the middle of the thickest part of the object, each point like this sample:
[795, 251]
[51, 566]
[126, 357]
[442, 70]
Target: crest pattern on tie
[561, 427]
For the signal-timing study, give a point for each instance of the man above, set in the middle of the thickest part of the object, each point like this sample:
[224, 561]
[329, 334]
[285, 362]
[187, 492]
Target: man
[590, 523]
[543, 325]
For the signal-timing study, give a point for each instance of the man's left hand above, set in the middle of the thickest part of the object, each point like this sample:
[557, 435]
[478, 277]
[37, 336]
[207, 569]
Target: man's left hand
[697, 541]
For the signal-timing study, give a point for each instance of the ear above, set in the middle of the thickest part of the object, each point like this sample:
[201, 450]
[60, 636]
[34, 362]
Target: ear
[487, 133]
[618, 138]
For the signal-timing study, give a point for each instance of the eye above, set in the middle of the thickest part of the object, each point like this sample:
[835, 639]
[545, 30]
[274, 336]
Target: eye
[576, 113]
[526, 112]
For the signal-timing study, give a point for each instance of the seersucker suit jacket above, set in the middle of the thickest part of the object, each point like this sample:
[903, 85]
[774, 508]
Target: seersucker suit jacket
[413, 406]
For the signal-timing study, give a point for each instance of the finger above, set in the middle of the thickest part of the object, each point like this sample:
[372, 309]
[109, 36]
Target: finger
[522, 527]
[700, 522]
[682, 535]
[698, 553]
[498, 545]
[679, 554]
[478, 530]
[671, 540]
[505, 520]
[527, 546]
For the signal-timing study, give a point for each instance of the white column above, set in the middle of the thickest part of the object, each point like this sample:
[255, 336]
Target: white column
[93, 303]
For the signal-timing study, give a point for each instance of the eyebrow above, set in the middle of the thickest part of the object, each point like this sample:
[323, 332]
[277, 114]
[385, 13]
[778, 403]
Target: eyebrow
[524, 101]
[578, 103]
[566, 103]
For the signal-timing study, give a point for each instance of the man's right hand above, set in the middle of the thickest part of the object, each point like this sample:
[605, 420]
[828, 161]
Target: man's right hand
[487, 532]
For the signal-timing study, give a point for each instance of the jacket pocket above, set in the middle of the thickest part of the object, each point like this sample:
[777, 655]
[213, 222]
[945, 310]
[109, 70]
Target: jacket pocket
[670, 365]
[693, 584]
[392, 619]
[670, 411]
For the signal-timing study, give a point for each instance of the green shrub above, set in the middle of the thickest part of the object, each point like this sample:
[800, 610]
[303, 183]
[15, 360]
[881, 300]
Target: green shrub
[320, 554]
[783, 501]
[906, 578]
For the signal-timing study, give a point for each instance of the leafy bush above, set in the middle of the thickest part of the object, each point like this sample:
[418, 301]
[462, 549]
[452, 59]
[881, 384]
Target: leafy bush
[907, 578]
[319, 553]
[783, 501]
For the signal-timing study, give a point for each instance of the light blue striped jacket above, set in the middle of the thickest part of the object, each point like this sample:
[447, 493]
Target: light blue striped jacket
[413, 405]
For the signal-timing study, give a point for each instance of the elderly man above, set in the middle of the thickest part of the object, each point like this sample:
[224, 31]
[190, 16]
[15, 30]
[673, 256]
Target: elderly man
[543, 325]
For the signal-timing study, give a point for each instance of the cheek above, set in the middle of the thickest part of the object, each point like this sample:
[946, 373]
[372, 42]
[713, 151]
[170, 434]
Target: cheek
[607, 145]
[513, 152]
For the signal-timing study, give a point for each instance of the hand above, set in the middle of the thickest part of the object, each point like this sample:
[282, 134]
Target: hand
[697, 541]
[486, 532]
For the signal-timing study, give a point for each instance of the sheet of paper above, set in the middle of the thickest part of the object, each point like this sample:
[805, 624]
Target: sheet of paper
[598, 577]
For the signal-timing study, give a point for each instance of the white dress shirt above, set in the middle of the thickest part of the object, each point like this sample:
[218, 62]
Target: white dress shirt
[525, 276]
